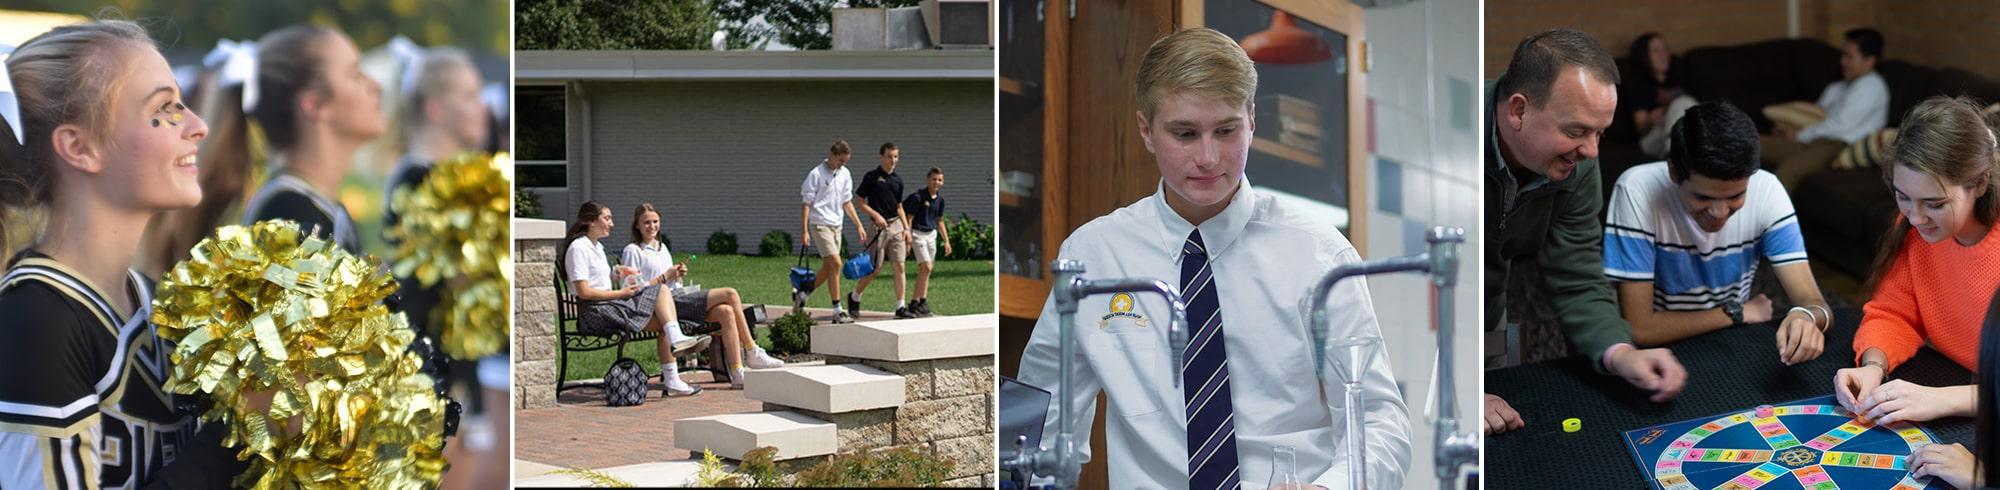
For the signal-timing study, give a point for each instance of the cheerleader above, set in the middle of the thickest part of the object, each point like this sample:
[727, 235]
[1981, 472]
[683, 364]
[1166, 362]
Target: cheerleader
[317, 108]
[102, 142]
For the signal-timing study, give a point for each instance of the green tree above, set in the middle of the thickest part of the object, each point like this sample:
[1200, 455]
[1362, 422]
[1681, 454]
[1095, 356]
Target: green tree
[613, 25]
[803, 24]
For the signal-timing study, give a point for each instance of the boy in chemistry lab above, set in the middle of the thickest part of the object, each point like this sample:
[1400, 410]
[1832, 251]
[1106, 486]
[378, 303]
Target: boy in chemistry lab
[1244, 264]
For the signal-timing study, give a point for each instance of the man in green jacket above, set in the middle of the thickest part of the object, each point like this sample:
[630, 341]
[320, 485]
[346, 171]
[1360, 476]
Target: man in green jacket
[1543, 201]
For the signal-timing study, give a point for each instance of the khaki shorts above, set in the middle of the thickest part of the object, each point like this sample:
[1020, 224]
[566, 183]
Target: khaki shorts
[827, 239]
[890, 245]
[924, 243]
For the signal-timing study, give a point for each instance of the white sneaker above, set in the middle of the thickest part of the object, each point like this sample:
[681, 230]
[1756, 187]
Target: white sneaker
[691, 345]
[676, 387]
[758, 359]
[736, 378]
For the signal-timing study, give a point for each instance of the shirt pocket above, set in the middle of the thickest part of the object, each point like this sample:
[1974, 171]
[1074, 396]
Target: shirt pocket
[1132, 363]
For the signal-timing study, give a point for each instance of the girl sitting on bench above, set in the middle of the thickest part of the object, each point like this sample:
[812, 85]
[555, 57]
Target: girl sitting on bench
[722, 305]
[638, 307]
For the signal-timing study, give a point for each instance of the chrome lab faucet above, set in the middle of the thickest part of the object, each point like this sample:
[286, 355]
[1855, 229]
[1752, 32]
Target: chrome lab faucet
[1061, 460]
[1441, 263]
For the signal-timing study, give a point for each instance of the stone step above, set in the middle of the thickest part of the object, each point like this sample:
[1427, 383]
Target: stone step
[909, 340]
[733, 435]
[825, 389]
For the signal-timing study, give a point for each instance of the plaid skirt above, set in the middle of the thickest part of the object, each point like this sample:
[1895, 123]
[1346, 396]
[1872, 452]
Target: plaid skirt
[615, 316]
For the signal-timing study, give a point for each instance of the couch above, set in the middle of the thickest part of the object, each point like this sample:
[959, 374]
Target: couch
[1842, 213]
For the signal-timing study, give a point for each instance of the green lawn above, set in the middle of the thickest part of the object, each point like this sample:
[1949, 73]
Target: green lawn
[958, 287]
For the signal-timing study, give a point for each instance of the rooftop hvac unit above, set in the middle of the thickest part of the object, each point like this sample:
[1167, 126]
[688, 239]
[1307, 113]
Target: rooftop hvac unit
[959, 23]
[874, 29]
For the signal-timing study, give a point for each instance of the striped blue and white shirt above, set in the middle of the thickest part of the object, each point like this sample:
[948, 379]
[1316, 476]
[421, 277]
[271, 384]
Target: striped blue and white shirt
[1651, 235]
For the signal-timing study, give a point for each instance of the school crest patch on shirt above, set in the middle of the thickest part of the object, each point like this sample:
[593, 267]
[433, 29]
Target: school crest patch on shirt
[1121, 307]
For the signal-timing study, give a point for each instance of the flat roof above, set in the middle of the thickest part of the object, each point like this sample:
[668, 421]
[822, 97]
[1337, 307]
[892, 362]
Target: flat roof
[932, 64]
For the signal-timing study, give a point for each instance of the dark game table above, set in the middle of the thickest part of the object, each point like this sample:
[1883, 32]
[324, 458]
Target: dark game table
[1730, 369]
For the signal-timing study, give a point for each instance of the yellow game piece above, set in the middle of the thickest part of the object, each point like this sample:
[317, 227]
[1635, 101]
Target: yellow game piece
[1572, 425]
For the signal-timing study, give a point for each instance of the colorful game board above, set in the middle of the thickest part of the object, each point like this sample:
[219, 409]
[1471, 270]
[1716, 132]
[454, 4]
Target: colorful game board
[1805, 444]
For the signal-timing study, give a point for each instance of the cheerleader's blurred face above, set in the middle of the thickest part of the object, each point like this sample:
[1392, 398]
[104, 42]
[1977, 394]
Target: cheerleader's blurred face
[458, 108]
[145, 158]
[350, 103]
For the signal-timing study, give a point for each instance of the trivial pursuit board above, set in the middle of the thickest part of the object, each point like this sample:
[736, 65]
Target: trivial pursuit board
[1805, 444]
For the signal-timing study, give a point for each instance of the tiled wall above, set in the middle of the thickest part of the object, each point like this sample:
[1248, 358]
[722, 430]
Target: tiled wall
[1417, 181]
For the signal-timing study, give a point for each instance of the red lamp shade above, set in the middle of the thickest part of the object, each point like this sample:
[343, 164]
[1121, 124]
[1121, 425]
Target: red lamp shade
[1286, 44]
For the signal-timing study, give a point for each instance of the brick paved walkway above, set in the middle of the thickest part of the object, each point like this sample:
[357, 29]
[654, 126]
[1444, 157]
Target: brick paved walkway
[583, 432]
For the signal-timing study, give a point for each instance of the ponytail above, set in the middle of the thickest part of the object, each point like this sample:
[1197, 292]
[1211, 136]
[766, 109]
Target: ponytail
[584, 215]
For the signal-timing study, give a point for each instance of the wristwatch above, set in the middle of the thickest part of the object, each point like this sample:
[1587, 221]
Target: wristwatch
[1735, 311]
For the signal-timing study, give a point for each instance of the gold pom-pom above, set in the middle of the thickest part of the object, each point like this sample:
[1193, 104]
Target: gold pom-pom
[453, 229]
[265, 316]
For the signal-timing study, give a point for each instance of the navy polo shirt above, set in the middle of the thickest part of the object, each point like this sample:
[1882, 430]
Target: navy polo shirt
[924, 210]
[882, 190]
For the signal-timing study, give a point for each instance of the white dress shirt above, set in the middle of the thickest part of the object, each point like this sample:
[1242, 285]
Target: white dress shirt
[826, 190]
[1265, 260]
[651, 261]
[586, 262]
[1854, 110]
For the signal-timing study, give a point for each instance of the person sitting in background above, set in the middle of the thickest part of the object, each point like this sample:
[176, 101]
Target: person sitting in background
[1651, 97]
[1853, 108]
[1683, 238]
[656, 264]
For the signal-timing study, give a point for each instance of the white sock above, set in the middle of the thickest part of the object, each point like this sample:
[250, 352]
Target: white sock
[670, 371]
[900, 304]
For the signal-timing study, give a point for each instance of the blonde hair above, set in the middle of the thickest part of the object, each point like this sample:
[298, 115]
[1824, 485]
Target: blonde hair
[1199, 60]
[432, 68]
[64, 76]
[637, 214]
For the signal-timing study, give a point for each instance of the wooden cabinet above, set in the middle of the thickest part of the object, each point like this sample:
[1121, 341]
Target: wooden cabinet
[1031, 192]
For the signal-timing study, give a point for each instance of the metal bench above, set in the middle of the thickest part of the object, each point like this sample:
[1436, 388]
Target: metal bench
[569, 309]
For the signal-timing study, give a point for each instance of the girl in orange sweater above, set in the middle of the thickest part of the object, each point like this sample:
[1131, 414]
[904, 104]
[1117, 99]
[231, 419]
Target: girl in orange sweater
[1953, 463]
[1935, 266]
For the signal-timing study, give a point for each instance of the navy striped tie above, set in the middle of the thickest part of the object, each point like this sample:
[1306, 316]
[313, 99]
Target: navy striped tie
[1211, 429]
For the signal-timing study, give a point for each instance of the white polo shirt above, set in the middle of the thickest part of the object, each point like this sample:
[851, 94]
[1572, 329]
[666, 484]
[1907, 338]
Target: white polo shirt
[1265, 260]
[826, 190]
[651, 261]
[586, 262]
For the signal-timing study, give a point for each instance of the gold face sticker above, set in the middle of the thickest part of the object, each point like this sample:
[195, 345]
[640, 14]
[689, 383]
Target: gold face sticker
[1121, 307]
[170, 113]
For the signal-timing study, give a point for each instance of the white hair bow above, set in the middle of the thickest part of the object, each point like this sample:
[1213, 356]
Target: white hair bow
[10, 107]
[411, 57]
[235, 63]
